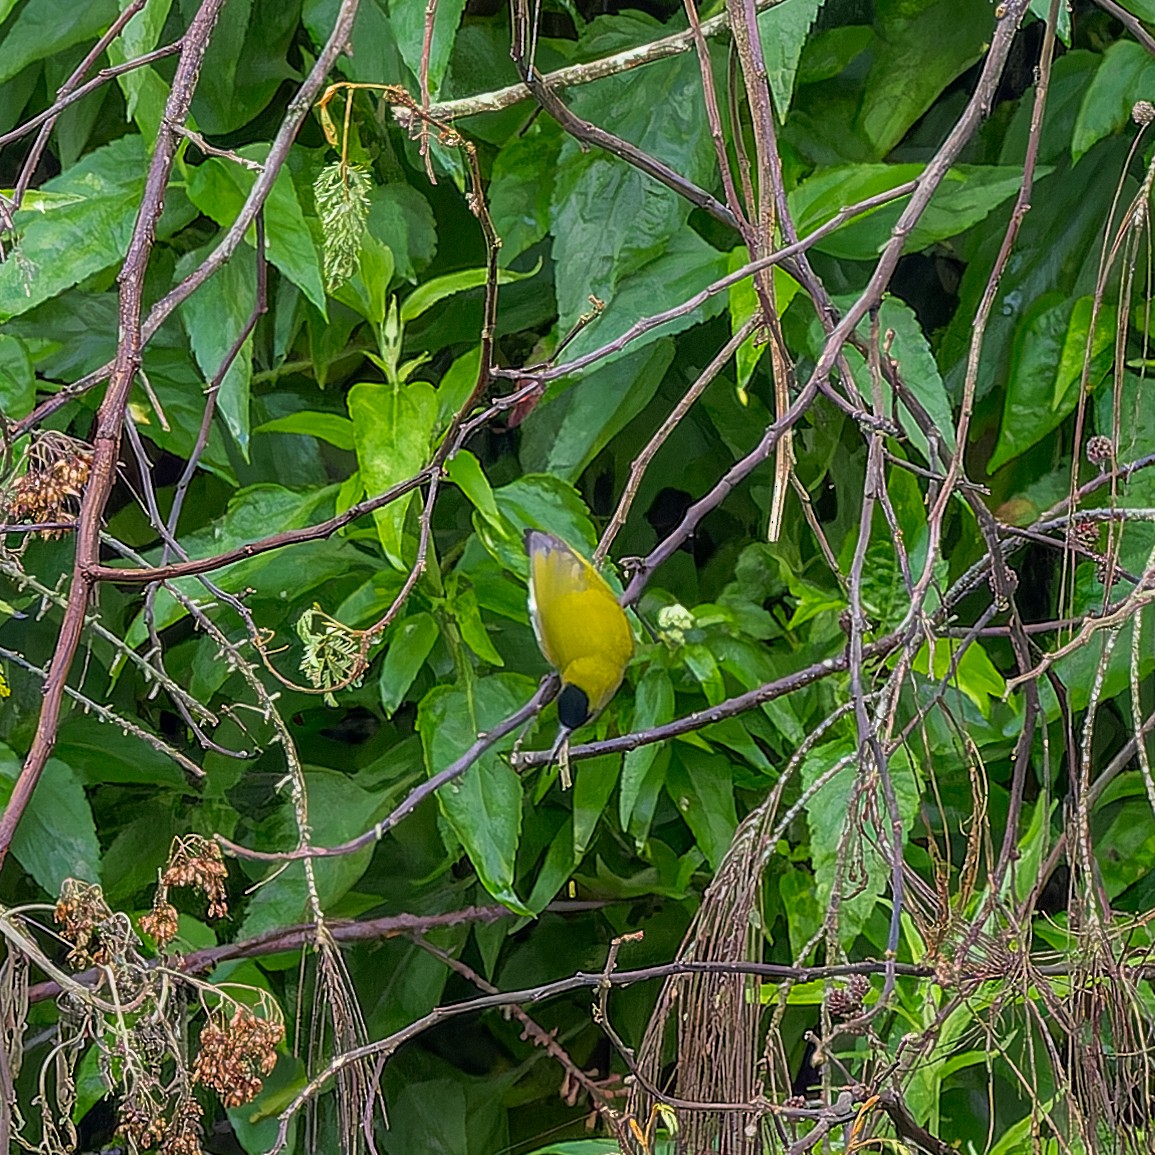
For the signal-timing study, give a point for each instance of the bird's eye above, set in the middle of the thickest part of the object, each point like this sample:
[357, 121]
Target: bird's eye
[573, 706]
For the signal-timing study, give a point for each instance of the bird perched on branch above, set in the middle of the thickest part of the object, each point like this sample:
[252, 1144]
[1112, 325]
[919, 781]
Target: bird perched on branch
[582, 630]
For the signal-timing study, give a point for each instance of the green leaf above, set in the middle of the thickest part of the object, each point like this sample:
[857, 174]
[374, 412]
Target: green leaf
[214, 317]
[966, 196]
[219, 189]
[521, 187]
[330, 427]
[484, 805]
[539, 501]
[783, 30]
[367, 291]
[1126, 73]
[245, 62]
[1046, 367]
[143, 88]
[465, 471]
[426, 295]
[47, 27]
[917, 365]
[609, 220]
[409, 643]
[60, 249]
[593, 784]
[56, 838]
[463, 605]
[1042, 9]
[975, 674]
[392, 429]
[100, 754]
[250, 516]
[17, 378]
[685, 264]
[565, 433]
[743, 302]
[1057, 249]
[653, 705]
[701, 788]
[923, 47]
[408, 24]
[400, 217]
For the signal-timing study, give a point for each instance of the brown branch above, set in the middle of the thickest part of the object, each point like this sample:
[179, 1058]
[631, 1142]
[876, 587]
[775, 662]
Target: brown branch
[110, 416]
[575, 74]
[304, 934]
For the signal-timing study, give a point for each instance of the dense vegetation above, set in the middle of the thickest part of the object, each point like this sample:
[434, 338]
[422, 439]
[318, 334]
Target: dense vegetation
[824, 326]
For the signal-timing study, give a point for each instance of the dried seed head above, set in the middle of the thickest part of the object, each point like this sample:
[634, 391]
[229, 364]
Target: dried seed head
[1143, 112]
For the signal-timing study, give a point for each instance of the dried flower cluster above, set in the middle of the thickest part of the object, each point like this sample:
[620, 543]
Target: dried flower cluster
[55, 474]
[194, 862]
[235, 1055]
[97, 935]
[144, 1125]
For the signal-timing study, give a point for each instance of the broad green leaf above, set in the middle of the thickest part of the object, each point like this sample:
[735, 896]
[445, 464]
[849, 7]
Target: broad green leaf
[922, 48]
[367, 291]
[408, 24]
[100, 754]
[784, 29]
[47, 27]
[917, 365]
[400, 217]
[579, 1147]
[827, 53]
[1042, 9]
[521, 188]
[17, 378]
[540, 501]
[975, 674]
[608, 219]
[653, 705]
[593, 783]
[484, 805]
[426, 295]
[966, 196]
[246, 61]
[373, 33]
[61, 248]
[1057, 250]
[465, 471]
[392, 429]
[1046, 368]
[564, 434]
[1126, 74]
[214, 317]
[56, 838]
[142, 87]
[330, 427]
[700, 786]
[462, 603]
[289, 579]
[408, 645]
[219, 188]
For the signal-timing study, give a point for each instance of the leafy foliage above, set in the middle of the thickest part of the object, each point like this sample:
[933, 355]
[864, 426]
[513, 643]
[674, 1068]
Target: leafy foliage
[898, 756]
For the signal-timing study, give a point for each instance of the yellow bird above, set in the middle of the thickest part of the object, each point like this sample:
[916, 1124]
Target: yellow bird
[582, 631]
